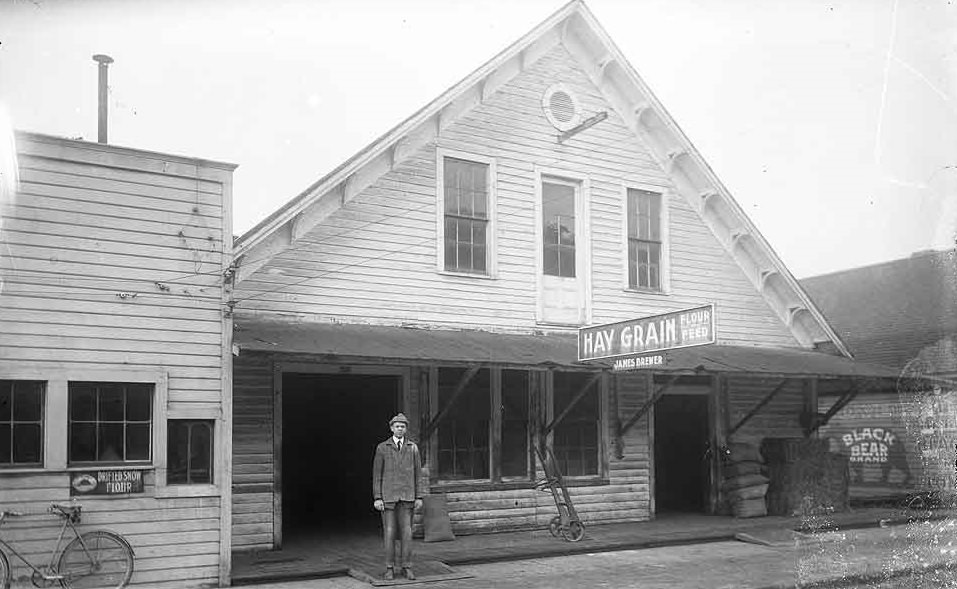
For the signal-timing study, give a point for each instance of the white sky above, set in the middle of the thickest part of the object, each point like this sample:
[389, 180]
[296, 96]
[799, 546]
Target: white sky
[832, 123]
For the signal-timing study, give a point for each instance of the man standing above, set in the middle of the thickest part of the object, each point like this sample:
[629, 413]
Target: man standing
[397, 488]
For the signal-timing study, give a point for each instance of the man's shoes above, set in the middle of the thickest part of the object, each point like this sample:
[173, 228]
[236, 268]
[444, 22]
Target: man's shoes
[389, 574]
[409, 574]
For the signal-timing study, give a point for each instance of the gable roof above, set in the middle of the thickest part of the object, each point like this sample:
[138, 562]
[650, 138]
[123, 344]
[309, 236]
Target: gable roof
[574, 27]
[889, 312]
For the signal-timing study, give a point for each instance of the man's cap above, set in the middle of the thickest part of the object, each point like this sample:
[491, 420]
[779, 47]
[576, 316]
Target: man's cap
[399, 418]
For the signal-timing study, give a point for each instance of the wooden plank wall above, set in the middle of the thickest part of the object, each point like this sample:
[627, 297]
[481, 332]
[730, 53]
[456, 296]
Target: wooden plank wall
[253, 464]
[375, 259]
[112, 259]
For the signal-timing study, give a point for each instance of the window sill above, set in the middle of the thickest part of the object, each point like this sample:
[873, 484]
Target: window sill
[172, 491]
[466, 275]
[646, 291]
[472, 486]
[23, 470]
[93, 466]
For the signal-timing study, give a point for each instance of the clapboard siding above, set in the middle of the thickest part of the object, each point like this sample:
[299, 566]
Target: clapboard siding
[379, 250]
[113, 262]
[253, 465]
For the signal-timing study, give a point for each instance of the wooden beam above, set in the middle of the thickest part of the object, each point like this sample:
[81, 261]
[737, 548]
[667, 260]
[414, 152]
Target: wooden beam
[757, 408]
[571, 405]
[456, 393]
[836, 407]
[586, 124]
[648, 405]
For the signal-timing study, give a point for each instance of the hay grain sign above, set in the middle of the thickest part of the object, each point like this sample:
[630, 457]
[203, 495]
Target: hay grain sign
[680, 329]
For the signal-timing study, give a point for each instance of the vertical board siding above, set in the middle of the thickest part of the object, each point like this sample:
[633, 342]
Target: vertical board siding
[253, 465]
[379, 250]
[112, 260]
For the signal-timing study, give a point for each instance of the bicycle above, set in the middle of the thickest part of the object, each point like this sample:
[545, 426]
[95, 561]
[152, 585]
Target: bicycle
[95, 558]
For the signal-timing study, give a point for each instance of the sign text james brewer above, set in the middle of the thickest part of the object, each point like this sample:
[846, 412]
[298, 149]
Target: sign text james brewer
[680, 329]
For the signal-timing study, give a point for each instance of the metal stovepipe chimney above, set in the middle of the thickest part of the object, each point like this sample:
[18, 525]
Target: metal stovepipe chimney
[103, 98]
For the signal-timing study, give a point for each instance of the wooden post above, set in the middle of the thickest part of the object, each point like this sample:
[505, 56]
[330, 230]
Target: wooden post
[495, 426]
[277, 455]
[716, 437]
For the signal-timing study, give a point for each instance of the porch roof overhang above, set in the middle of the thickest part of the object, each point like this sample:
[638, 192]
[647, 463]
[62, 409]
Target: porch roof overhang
[340, 341]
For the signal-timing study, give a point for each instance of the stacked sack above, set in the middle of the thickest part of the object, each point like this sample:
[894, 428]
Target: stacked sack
[745, 483]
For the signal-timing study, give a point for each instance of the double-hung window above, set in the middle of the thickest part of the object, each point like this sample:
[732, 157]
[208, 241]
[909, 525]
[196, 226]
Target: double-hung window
[466, 215]
[644, 240]
[110, 422]
[21, 422]
[189, 451]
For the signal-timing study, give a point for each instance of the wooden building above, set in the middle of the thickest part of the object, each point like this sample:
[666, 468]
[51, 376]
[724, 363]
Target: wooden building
[115, 353]
[460, 253]
[902, 315]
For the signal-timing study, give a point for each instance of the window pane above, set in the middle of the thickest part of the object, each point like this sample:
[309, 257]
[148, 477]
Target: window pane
[558, 228]
[550, 262]
[514, 423]
[200, 458]
[110, 442]
[82, 402]
[464, 434]
[567, 262]
[138, 441]
[27, 443]
[82, 442]
[6, 400]
[111, 403]
[27, 403]
[576, 437]
[6, 443]
[138, 402]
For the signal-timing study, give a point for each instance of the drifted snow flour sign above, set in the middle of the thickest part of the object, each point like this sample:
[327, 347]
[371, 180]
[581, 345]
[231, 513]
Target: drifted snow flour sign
[106, 482]
[680, 329]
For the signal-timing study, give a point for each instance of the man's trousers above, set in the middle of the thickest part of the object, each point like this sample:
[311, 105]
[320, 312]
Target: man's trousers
[399, 516]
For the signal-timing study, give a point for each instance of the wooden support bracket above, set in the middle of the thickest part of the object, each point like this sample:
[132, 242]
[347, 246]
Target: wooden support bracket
[586, 124]
[757, 408]
[841, 403]
[571, 405]
[648, 404]
[456, 393]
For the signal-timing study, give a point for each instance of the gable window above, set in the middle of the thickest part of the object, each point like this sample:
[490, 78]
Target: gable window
[189, 452]
[466, 203]
[576, 437]
[21, 422]
[644, 239]
[110, 422]
[558, 229]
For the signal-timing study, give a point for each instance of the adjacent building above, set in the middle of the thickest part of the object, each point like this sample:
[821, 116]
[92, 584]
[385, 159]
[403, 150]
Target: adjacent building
[902, 315]
[115, 356]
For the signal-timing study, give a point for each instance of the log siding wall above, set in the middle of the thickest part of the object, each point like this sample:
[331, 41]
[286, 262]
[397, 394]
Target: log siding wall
[112, 263]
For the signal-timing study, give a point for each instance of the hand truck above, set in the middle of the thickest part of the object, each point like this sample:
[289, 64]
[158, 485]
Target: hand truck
[566, 523]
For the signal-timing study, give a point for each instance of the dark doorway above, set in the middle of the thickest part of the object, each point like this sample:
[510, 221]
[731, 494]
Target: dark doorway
[681, 443]
[331, 424]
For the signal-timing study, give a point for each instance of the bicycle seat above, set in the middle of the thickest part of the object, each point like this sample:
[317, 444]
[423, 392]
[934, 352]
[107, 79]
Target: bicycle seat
[71, 511]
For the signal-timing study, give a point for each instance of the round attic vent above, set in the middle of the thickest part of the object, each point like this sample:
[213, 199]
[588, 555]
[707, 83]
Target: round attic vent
[561, 107]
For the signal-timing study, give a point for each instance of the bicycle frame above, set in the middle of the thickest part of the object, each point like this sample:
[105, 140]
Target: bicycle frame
[53, 554]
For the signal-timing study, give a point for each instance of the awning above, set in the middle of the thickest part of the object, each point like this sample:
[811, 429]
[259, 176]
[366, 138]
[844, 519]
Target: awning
[442, 345]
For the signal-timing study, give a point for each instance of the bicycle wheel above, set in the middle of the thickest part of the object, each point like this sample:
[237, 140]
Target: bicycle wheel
[97, 559]
[574, 532]
[555, 526]
[4, 571]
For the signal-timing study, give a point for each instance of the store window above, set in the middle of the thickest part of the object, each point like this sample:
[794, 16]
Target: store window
[514, 415]
[463, 435]
[110, 422]
[576, 438]
[21, 422]
[189, 452]
[644, 239]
